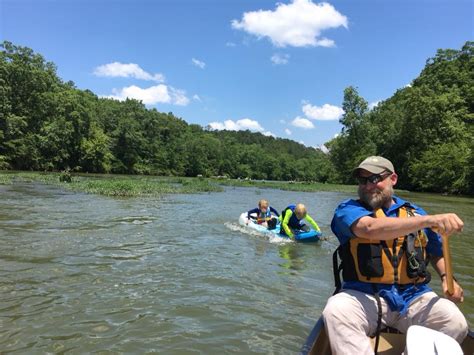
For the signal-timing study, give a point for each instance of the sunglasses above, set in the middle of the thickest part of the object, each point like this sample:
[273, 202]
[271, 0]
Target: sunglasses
[373, 179]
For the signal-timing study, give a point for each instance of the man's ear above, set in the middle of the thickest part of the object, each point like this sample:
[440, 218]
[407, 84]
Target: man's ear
[394, 178]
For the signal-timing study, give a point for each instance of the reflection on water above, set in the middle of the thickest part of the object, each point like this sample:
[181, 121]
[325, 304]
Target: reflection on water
[292, 259]
[85, 273]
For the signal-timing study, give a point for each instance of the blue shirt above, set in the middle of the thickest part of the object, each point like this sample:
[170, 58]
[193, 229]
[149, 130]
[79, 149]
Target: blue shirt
[397, 297]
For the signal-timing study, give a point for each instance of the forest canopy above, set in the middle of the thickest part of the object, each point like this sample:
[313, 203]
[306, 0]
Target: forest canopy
[426, 129]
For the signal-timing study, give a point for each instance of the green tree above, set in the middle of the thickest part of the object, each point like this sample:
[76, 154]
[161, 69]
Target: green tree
[96, 155]
[354, 143]
[443, 168]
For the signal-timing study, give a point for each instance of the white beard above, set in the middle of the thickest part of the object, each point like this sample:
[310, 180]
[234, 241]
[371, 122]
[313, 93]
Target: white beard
[377, 198]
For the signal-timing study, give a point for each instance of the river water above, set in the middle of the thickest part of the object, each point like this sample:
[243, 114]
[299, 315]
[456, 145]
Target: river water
[85, 273]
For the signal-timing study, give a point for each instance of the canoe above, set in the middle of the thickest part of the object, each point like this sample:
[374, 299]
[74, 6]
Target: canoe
[390, 343]
[310, 236]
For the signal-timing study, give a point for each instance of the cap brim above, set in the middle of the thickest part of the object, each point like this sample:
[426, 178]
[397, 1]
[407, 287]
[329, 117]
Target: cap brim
[370, 168]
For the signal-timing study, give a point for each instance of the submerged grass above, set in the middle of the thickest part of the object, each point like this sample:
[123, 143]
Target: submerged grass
[116, 185]
[134, 185]
[9, 177]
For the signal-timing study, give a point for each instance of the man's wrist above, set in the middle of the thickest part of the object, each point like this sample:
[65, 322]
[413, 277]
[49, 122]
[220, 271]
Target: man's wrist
[442, 276]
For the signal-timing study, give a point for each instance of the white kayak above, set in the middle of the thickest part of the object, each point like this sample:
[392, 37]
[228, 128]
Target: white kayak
[301, 236]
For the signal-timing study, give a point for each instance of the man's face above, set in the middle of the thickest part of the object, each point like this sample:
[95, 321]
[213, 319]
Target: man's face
[376, 190]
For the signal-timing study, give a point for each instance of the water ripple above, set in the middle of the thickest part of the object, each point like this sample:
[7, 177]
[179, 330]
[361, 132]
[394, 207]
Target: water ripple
[88, 274]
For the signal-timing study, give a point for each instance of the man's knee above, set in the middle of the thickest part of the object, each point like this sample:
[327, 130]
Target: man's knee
[458, 327]
[443, 315]
[339, 307]
[455, 323]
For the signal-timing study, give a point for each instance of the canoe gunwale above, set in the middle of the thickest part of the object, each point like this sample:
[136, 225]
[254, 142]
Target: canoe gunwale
[312, 337]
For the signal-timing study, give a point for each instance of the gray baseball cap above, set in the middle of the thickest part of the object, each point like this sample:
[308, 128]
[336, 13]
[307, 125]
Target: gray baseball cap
[375, 165]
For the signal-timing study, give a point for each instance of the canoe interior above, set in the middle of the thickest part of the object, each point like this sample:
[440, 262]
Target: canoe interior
[390, 343]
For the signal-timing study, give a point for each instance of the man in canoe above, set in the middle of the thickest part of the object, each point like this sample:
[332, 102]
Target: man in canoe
[385, 245]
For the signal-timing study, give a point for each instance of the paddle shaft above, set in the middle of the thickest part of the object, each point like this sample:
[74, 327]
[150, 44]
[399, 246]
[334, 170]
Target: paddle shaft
[448, 265]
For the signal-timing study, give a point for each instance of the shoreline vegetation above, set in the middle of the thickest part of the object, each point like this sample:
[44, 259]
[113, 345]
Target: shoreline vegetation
[115, 185]
[425, 128]
[140, 185]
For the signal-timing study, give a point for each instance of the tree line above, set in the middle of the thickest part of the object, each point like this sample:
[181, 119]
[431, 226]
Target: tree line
[426, 129]
[47, 124]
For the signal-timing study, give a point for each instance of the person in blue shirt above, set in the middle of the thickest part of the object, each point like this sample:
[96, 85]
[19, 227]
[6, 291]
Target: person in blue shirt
[263, 214]
[385, 245]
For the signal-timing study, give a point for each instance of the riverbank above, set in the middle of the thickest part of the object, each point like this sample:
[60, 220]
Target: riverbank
[139, 185]
[114, 185]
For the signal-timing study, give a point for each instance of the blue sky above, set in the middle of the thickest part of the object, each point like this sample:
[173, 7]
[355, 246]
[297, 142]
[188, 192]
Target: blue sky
[277, 68]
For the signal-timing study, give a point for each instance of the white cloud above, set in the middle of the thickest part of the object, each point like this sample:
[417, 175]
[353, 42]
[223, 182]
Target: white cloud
[197, 98]
[178, 97]
[298, 24]
[230, 44]
[302, 123]
[280, 59]
[218, 126]
[323, 148]
[372, 105]
[152, 95]
[240, 125]
[282, 121]
[287, 131]
[324, 113]
[198, 63]
[130, 70]
[268, 134]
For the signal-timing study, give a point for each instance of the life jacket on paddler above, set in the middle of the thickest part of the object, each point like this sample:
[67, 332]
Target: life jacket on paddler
[264, 216]
[294, 222]
[401, 261]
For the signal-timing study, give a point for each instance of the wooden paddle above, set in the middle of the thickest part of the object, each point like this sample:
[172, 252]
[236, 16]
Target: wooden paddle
[447, 263]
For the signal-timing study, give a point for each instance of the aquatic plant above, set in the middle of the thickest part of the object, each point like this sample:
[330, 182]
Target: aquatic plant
[115, 185]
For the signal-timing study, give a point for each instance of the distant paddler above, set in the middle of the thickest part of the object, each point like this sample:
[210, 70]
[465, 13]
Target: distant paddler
[264, 214]
[292, 220]
[385, 246]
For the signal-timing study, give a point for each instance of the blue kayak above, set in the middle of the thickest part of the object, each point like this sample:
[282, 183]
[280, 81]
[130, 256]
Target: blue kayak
[306, 237]
[310, 236]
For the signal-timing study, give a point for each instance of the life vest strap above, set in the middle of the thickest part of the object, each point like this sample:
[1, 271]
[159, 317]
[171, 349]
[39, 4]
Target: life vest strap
[337, 271]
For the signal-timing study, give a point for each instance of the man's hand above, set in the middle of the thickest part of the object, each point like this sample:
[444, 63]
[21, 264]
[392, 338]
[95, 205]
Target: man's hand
[446, 223]
[457, 296]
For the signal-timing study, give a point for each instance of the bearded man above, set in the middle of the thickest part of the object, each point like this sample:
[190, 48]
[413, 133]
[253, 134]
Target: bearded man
[385, 245]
